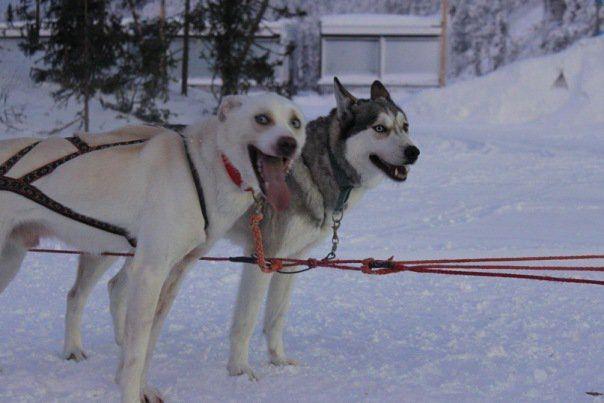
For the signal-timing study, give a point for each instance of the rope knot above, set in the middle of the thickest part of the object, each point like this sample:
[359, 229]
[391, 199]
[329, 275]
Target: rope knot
[367, 265]
[275, 265]
[312, 263]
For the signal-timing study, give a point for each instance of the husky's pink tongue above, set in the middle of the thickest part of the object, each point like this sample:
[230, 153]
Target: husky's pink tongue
[273, 173]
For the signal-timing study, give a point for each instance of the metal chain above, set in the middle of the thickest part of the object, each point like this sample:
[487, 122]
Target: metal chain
[258, 203]
[336, 219]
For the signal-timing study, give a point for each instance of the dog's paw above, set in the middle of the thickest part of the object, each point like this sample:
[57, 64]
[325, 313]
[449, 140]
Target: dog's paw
[280, 361]
[240, 369]
[149, 394]
[75, 354]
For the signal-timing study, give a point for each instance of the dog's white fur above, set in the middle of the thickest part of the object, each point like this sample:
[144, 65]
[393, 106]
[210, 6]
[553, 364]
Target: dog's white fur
[148, 190]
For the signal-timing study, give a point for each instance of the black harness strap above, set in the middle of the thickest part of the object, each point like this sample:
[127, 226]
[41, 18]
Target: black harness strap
[79, 144]
[51, 166]
[22, 186]
[344, 183]
[197, 182]
[34, 194]
[9, 163]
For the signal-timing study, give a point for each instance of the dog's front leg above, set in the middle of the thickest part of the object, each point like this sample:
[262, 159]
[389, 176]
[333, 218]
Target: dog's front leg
[166, 299]
[144, 287]
[90, 270]
[277, 306]
[252, 290]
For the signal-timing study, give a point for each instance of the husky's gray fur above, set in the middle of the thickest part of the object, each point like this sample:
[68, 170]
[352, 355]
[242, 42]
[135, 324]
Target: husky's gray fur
[296, 231]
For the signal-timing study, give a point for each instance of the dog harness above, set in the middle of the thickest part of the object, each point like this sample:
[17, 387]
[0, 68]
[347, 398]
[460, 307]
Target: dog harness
[344, 183]
[23, 185]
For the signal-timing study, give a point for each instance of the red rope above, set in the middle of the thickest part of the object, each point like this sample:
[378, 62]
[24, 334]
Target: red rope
[433, 266]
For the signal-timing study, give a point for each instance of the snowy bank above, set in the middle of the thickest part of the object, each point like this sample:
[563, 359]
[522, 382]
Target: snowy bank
[524, 91]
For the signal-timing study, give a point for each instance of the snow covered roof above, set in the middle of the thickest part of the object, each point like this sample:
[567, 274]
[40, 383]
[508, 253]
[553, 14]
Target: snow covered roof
[380, 24]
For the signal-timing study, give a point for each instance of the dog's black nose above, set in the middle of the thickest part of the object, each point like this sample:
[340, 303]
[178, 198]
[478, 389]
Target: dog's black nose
[411, 153]
[286, 146]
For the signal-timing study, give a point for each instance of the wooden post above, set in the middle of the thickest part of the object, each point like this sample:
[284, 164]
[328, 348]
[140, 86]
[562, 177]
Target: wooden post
[442, 75]
[184, 79]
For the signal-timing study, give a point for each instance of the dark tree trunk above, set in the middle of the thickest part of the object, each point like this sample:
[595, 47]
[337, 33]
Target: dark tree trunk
[38, 17]
[597, 31]
[184, 81]
[87, 64]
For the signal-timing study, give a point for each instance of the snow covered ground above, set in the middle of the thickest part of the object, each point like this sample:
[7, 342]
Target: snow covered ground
[494, 178]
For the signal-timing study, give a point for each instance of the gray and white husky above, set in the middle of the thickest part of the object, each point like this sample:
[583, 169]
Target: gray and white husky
[368, 140]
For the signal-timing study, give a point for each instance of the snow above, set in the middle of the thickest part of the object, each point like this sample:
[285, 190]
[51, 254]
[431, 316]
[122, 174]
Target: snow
[380, 19]
[525, 19]
[509, 166]
[524, 92]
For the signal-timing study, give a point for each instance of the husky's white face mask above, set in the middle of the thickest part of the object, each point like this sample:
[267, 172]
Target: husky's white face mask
[261, 136]
[377, 141]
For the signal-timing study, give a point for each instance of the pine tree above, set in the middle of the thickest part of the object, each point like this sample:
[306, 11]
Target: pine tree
[233, 51]
[10, 14]
[80, 53]
[143, 67]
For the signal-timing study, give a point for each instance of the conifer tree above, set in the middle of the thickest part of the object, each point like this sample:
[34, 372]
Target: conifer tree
[233, 51]
[10, 14]
[143, 66]
[80, 53]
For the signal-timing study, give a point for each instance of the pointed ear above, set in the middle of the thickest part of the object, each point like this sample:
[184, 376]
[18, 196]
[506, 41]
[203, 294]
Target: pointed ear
[379, 91]
[228, 103]
[344, 99]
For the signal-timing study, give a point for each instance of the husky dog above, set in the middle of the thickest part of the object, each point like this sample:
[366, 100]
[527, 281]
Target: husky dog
[368, 140]
[172, 196]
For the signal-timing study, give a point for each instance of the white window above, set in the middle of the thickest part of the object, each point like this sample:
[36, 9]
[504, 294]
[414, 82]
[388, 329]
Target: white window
[399, 50]
[352, 56]
[411, 55]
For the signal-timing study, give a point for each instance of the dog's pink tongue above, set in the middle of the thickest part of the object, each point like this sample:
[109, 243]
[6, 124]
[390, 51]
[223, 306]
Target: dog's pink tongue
[273, 173]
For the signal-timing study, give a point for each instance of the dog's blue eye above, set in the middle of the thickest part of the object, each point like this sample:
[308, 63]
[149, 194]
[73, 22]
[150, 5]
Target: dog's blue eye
[295, 122]
[379, 128]
[262, 119]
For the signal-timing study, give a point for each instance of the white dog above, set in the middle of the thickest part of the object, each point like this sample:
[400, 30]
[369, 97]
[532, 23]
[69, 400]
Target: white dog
[172, 197]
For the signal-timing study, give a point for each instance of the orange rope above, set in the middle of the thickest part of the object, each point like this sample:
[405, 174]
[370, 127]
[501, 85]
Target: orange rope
[389, 266]
[271, 265]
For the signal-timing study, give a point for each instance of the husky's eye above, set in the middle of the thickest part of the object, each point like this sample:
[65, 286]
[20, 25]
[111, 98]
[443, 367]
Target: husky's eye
[295, 122]
[379, 128]
[406, 127]
[262, 119]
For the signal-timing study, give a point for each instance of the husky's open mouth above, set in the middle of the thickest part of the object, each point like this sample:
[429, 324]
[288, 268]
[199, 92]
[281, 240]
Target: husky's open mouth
[395, 172]
[270, 172]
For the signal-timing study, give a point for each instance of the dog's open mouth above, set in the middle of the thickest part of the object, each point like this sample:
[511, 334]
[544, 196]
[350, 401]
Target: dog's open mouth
[270, 172]
[395, 172]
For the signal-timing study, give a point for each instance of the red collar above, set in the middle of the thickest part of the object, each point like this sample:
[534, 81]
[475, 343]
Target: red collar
[233, 172]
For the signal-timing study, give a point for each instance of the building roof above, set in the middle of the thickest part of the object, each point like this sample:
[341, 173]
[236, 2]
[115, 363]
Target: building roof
[380, 24]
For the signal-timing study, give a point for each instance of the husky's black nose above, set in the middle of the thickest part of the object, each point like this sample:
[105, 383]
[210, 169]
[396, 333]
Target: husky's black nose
[411, 153]
[286, 146]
